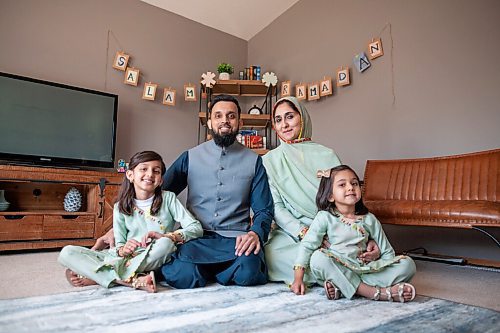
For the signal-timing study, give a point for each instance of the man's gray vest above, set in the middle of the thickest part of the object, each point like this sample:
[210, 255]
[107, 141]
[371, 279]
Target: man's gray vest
[219, 187]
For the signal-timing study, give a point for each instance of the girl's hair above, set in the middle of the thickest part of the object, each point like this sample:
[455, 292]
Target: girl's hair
[127, 190]
[325, 192]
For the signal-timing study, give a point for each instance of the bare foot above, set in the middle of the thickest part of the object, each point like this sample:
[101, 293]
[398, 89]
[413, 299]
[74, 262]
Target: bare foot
[145, 282]
[77, 280]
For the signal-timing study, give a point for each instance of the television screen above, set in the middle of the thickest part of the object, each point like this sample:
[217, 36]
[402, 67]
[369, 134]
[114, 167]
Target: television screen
[46, 123]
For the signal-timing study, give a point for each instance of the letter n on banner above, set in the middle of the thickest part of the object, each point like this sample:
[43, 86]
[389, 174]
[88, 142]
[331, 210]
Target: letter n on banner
[375, 49]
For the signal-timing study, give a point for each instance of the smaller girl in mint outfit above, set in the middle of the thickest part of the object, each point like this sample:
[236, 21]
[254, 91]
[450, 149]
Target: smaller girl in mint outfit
[344, 218]
[143, 222]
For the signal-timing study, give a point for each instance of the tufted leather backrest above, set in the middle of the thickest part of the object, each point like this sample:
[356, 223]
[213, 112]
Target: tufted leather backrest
[472, 176]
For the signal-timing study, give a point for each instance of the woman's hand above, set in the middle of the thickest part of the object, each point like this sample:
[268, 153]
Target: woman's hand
[372, 252]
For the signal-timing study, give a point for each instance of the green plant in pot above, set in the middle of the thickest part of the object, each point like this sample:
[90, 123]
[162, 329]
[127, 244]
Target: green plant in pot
[225, 70]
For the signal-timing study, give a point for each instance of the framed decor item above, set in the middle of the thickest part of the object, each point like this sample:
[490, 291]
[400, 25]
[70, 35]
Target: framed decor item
[301, 91]
[313, 91]
[121, 61]
[149, 91]
[168, 96]
[361, 62]
[325, 87]
[189, 93]
[286, 88]
[375, 49]
[132, 76]
[343, 78]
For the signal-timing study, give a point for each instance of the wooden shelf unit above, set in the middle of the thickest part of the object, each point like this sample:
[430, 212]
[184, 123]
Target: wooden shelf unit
[36, 217]
[241, 88]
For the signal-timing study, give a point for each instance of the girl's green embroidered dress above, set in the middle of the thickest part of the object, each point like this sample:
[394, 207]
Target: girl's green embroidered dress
[106, 266]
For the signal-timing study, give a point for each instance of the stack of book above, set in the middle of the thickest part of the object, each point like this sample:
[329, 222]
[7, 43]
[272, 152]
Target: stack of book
[252, 73]
[251, 139]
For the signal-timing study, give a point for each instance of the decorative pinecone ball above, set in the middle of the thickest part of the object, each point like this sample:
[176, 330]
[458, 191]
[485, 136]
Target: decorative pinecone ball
[72, 200]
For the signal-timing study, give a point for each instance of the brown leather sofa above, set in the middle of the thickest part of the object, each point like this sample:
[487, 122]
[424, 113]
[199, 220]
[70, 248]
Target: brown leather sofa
[461, 191]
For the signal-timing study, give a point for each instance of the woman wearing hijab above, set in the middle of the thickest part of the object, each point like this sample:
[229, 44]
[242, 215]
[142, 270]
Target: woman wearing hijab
[291, 169]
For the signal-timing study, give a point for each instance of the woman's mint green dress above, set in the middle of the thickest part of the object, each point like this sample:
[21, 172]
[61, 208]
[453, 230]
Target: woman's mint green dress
[104, 267]
[340, 264]
[291, 169]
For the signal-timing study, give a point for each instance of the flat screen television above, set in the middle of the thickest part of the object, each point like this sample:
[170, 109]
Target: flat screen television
[50, 124]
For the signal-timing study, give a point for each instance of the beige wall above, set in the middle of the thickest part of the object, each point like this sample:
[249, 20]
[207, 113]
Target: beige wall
[446, 81]
[446, 75]
[66, 42]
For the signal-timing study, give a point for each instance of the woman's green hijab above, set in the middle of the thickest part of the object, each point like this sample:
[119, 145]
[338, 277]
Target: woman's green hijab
[292, 166]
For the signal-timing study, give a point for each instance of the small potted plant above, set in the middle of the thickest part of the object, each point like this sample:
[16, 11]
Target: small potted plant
[224, 70]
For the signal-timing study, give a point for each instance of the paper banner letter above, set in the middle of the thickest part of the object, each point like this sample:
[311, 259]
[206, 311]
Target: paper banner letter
[149, 91]
[313, 91]
[361, 62]
[169, 97]
[343, 78]
[375, 49]
[132, 76]
[121, 61]
[325, 87]
[285, 88]
[189, 93]
[300, 91]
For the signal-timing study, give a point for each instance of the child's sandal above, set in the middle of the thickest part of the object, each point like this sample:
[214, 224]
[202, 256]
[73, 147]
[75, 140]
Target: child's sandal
[376, 296]
[336, 293]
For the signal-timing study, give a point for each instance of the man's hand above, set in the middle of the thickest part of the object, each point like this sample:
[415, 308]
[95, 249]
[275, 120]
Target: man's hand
[372, 252]
[105, 241]
[247, 243]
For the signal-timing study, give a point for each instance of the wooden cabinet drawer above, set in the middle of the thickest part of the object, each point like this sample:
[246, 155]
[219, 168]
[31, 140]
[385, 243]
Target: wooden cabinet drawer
[67, 227]
[19, 227]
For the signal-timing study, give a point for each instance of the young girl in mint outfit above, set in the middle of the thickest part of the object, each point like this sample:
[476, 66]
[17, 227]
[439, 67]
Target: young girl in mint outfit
[143, 224]
[344, 218]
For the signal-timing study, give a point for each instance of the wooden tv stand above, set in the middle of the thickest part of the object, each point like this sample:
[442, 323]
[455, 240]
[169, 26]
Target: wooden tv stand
[36, 217]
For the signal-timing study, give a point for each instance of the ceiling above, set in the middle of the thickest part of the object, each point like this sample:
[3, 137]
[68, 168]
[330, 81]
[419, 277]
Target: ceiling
[240, 18]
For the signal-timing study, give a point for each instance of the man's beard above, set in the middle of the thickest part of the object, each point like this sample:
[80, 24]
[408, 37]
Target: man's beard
[224, 140]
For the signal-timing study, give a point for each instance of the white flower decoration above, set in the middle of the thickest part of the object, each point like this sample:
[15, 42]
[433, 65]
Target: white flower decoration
[208, 79]
[269, 79]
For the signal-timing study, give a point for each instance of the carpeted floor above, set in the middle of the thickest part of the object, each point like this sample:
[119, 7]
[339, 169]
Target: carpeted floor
[268, 308]
[35, 297]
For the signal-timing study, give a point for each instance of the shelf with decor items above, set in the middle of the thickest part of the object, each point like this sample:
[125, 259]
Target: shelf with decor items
[36, 217]
[257, 122]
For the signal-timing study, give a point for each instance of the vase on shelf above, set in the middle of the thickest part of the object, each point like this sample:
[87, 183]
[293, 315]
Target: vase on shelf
[72, 200]
[4, 204]
[224, 76]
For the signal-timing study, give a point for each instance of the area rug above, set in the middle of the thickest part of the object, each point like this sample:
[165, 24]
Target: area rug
[268, 308]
